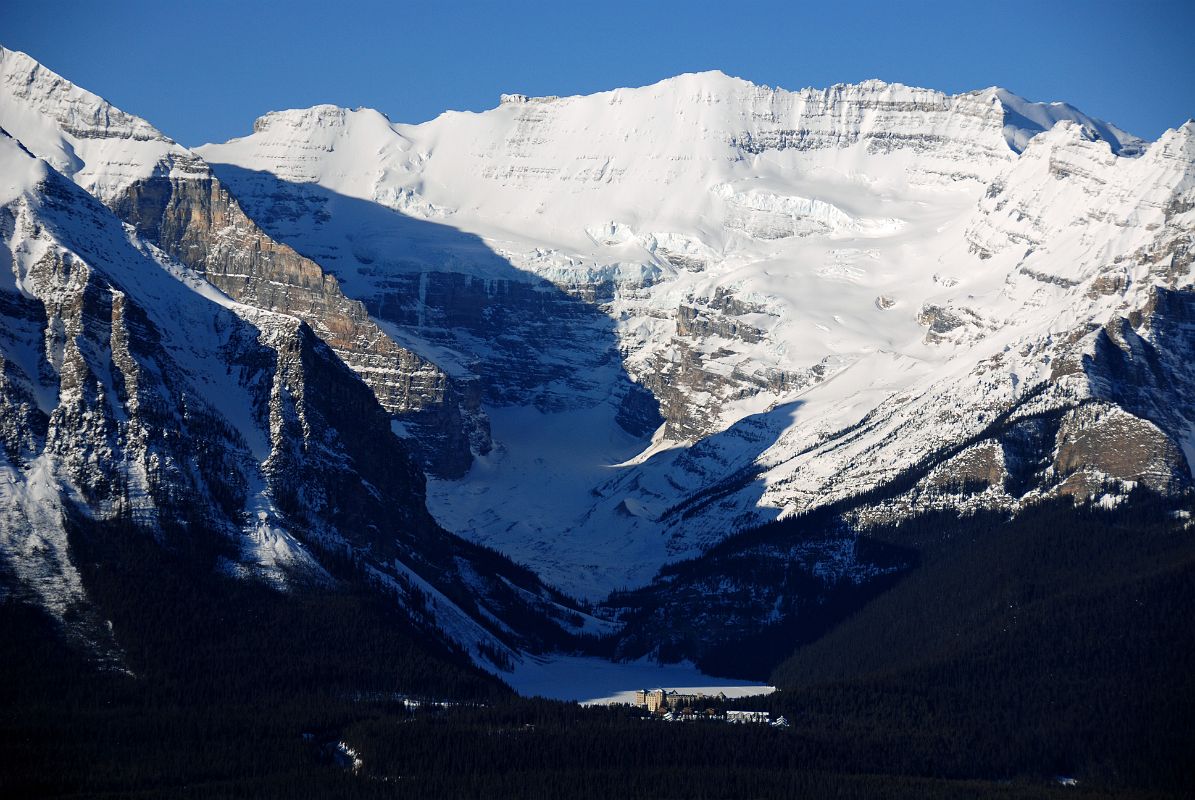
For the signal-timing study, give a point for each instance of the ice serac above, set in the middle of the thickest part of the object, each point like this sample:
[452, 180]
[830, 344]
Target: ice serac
[172, 198]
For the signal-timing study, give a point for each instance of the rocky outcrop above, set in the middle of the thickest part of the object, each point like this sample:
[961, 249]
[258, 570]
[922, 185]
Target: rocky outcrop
[193, 218]
[976, 468]
[1141, 363]
[1100, 443]
[690, 322]
[173, 200]
[943, 323]
[133, 392]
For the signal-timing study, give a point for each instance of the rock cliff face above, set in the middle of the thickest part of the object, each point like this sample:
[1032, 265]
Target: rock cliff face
[173, 200]
[134, 391]
[194, 219]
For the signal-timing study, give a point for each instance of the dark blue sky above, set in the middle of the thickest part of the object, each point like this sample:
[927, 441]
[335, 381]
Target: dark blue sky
[203, 71]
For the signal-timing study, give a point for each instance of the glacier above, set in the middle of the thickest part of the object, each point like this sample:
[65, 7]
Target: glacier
[778, 269]
[617, 328]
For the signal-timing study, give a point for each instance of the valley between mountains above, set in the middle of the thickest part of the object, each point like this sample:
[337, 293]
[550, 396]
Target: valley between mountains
[705, 373]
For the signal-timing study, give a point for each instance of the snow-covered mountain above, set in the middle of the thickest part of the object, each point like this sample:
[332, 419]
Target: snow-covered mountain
[617, 328]
[173, 199]
[819, 290]
[136, 395]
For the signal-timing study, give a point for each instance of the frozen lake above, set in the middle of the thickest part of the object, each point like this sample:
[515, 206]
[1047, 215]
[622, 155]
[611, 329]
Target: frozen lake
[592, 681]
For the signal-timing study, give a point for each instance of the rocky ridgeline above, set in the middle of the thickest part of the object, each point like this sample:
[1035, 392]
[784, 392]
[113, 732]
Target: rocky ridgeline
[870, 294]
[173, 200]
[192, 217]
[135, 396]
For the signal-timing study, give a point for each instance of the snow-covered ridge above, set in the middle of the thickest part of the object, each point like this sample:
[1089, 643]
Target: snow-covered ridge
[320, 116]
[778, 266]
[817, 289]
[1020, 119]
[1025, 119]
[80, 134]
[1070, 179]
[76, 110]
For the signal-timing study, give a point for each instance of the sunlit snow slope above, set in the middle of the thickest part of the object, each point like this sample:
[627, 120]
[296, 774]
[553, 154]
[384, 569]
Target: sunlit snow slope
[820, 289]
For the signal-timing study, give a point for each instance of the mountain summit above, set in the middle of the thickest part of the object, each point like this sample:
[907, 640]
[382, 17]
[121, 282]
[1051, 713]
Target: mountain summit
[612, 329]
[819, 291]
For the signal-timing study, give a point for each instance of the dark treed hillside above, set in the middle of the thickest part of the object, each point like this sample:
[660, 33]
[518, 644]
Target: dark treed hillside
[1059, 641]
[1058, 644]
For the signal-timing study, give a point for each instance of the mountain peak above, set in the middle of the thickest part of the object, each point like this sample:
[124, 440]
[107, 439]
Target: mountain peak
[711, 81]
[1178, 142]
[78, 133]
[322, 116]
[76, 110]
[1024, 119]
[708, 77]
